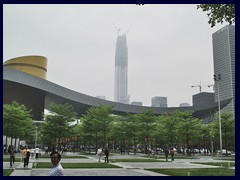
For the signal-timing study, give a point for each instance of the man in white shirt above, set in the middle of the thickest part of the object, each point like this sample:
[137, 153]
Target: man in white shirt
[99, 153]
[57, 169]
[37, 152]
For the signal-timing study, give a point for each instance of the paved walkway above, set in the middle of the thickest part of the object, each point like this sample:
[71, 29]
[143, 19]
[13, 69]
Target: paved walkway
[128, 168]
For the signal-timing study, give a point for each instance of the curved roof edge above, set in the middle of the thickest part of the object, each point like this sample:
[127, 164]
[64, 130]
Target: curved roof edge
[55, 93]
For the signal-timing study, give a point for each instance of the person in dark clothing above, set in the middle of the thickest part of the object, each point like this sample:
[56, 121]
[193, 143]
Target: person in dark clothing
[166, 154]
[12, 155]
[172, 152]
[106, 152]
[28, 155]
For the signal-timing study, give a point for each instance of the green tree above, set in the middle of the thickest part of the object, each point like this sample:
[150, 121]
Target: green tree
[57, 125]
[17, 122]
[132, 127]
[218, 13]
[147, 122]
[169, 127]
[188, 128]
[97, 120]
[228, 129]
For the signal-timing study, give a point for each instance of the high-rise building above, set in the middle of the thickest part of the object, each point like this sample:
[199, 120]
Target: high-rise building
[203, 99]
[121, 70]
[184, 104]
[158, 101]
[137, 103]
[224, 64]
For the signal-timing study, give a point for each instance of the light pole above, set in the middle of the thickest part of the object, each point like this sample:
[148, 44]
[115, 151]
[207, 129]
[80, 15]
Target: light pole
[36, 139]
[211, 137]
[217, 78]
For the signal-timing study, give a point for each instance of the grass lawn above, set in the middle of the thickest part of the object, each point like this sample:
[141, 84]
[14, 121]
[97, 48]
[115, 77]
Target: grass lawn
[196, 172]
[7, 172]
[76, 165]
[135, 160]
[8, 159]
[65, 156]
[222, 164]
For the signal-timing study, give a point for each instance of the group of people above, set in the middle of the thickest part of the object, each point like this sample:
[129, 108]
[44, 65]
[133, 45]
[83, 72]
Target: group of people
[57, 169]
[102, 151]
[171, 152]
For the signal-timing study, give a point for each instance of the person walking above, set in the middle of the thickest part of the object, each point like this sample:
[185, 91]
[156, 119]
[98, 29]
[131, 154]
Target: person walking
[24, 156]
[172, 152]
[28, 155]
[57, 169]
[106, 152]
[99, 153]
[37, 152]
[12, 155]
[166, 154]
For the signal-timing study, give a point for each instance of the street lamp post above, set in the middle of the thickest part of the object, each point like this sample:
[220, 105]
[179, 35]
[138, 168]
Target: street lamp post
[36, 139]
[217, 78]
[211, 137]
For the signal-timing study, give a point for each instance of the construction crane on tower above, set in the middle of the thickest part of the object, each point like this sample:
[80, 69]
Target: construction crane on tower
[118, 29]
[199, 86]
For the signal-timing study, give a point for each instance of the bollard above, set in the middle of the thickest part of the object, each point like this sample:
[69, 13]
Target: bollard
[188, 173]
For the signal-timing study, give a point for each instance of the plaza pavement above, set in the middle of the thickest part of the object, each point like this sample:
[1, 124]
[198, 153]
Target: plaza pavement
[128, 168]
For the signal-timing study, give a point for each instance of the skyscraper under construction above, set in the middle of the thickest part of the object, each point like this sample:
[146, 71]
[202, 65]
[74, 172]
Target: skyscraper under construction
[121, 70]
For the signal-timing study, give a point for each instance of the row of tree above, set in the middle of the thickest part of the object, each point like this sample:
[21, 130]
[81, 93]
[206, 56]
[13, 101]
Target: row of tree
[99, 127]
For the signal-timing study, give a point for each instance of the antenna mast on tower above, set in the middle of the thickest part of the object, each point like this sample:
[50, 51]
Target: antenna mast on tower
[118, 29]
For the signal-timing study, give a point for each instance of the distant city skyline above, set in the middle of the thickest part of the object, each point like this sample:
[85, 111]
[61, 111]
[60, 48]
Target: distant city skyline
[169, 47]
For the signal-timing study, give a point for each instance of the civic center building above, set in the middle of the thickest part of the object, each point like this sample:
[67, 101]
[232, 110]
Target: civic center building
[24, 81]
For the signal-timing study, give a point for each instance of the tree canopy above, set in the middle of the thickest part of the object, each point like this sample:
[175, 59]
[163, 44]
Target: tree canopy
[17, 121]
[218, 13]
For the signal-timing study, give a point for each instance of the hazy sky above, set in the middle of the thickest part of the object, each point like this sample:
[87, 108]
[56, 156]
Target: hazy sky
[169, 47]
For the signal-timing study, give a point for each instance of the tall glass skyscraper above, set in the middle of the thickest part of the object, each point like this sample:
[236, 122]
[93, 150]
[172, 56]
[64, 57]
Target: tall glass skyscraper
[224, 64]
[121, 70]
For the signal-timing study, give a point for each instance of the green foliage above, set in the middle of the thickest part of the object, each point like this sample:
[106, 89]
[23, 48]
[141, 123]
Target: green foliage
[96, 124]
[7, 172]
[188, 127]
[17, 121]
[228, 129]
[195, 172]
[99, 127]
[57, 125]
[218, 13]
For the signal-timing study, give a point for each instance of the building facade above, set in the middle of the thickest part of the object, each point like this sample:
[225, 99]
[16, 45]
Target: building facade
[223, 42]
[121, 70]
[35, 66]
[158, 101]
[101, 97]
[184, 104]
[136, 103]
[203, 99]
